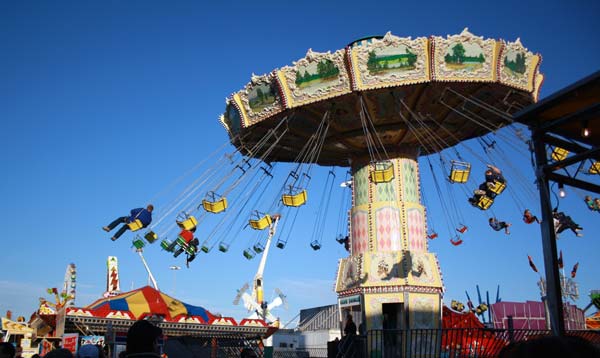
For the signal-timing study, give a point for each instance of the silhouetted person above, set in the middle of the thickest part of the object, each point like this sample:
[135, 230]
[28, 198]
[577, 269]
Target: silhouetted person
[142, 340]
[7, 350]
[59, 353]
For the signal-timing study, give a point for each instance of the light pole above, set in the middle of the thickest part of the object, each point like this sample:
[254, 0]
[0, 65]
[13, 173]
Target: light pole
[174, 268]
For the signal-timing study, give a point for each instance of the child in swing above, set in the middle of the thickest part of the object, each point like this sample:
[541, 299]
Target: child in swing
[529, 218]
[498, 225]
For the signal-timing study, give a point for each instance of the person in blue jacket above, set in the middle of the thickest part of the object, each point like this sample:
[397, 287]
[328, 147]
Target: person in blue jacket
[141, 214]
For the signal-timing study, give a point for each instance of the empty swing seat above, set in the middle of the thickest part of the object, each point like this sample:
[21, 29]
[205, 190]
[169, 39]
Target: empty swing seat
[138, 243]
[188, 224]
[484, 202]
[594, 168]
[294, 200]
[135, 225]
[205, 249]
[151, 237]
[459, 172]
[382, 172]
[261, 223]
[559, 154]
[315, 245]
[215, 207]
[248, 254]
[258, 248]
[497, 187]
[280, 244]
[223, 247]
[167, 245]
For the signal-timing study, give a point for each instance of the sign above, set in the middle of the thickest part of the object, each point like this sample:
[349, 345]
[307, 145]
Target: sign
[350, 301]
[69, 341]
[95, 340]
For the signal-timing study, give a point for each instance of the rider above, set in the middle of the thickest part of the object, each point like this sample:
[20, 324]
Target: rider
[529, 218]
[187, 236]
[499, 225]
[141, 214]
[492, 175]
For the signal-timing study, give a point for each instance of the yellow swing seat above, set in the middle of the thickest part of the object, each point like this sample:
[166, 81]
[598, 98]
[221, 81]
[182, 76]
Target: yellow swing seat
[459, 172]
[382, 172]
[151, 236]
[594, 168]
[188, 224]
[215, 207]
[135, 225]
[294, 200]
[497, 187]
[261, 223]
[484, 202]
[559, 154]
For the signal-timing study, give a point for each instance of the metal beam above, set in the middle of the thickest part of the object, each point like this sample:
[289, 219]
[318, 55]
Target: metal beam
[580, 115]
[553, 295]
[576, 183]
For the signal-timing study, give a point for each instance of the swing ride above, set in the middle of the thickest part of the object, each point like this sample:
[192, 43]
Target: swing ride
[377, 106]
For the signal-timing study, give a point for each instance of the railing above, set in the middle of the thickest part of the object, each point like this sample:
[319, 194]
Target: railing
[300, 353]
[451, 343]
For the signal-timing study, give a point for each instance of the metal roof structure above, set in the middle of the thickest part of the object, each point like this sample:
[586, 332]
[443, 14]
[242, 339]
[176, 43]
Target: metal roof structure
[559, 121]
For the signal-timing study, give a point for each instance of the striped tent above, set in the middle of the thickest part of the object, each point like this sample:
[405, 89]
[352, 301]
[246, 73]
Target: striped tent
[147, 301]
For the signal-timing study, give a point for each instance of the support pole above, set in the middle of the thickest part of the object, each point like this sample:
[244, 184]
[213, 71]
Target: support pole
[553, 295]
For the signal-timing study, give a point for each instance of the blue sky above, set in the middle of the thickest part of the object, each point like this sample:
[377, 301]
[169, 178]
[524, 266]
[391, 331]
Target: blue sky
[104, 104]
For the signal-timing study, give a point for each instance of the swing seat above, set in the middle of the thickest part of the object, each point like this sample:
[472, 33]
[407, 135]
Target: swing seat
[167, 245]
[315, 245]
[135, 225]
[462, 229]
[258, 248]
[188, 224]
[432, 236]
[497, 187]
[261, 223]
[594, 168]
[484, 202]
[559, 154]
[181, 242]
[459, 172]
[151, 237]
[205, 249]
[190, 250]
[382, 172]
[280, 244]
[456, 241]
[223, 247]
[340, 239]
[248, 254]
[215, 207]
[294, 200]
[138, 243]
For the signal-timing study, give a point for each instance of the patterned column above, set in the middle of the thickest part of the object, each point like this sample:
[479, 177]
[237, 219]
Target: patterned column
[389, 260]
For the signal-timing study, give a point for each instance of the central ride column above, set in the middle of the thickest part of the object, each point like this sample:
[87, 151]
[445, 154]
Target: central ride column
[389, 276]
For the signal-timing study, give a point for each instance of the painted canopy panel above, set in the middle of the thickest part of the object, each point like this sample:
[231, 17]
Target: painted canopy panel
[148, 301]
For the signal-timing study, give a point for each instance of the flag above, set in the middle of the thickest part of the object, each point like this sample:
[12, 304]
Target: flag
[532, 264]
[560, 261]
[574, 270]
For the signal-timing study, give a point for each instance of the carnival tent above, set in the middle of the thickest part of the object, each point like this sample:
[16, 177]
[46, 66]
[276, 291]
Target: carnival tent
[147, 301]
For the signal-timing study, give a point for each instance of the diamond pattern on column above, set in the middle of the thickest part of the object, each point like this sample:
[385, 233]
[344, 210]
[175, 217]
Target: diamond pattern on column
[388, 229]
[415, 225]
[360, 232]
